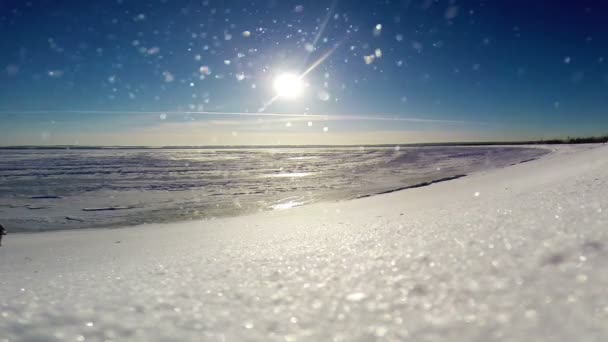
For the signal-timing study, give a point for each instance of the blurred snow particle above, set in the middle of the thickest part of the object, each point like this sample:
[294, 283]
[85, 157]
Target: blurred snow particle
[397, 148]
[369, 59]
[153, 50]
[309, 123]
[12, 69]
[204, 70]
[139, 17]
[168, 76]
[404, 99]
[378, 53]
[530, 314]
[380, 331]
[581, 278]
[309, 47]
[227, 62]
[399, 37]
[163, 116]
[288, 124]
[240, 76]
[377, 30]
[476, 67]
[477, 194]
[356, 296]
[325, 129]
[399, 63]
[556, 104]
[246, 34]
[227, 36]
[299, 8]
[323, 95]
[567, 60]
[451, 12]
[55, 73]
[53, 45]
[112, 79]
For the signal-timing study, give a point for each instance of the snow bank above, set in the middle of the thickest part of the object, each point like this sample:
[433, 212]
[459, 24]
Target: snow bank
[513, 254]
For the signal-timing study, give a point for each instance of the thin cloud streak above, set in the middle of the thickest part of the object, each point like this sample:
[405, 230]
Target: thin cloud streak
[251, 114]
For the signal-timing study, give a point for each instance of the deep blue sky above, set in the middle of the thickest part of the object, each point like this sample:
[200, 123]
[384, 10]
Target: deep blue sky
[104, 72]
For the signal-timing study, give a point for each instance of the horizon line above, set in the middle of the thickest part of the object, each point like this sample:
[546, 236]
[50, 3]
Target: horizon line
[447, 143]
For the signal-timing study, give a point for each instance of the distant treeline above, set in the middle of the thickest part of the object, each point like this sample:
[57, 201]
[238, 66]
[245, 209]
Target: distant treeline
[587, 140]
[568, 140]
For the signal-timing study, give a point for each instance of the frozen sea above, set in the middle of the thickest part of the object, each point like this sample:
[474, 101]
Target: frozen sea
[49, 189]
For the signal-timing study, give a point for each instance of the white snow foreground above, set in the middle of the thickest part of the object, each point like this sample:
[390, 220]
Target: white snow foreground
[515, 254]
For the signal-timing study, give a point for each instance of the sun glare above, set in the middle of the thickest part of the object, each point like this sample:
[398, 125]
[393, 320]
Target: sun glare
[288, 86]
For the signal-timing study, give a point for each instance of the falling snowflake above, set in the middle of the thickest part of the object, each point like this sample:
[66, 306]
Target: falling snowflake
[168, 76]
[377, 30]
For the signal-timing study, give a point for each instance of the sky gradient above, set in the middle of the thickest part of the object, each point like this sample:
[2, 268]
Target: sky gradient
[379, 72]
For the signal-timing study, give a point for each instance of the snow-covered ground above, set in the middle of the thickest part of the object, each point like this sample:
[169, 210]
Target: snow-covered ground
[513, 254]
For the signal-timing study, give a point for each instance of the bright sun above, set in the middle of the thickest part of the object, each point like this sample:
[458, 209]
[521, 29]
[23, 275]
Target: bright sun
[288, 86]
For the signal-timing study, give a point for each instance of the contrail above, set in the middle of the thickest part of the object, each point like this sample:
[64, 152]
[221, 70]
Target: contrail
[332, 117]
[155, 113]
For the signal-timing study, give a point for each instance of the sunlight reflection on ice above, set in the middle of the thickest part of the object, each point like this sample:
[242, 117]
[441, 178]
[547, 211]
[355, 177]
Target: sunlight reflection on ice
[286, 205]
[290, 175]
[304, 158]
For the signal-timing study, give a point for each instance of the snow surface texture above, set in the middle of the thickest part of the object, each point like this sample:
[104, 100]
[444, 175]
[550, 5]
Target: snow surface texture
[43, 189]
[514, 254]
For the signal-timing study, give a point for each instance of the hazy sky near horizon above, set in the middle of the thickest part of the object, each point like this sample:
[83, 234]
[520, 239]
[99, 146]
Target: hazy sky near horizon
[165, 72]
